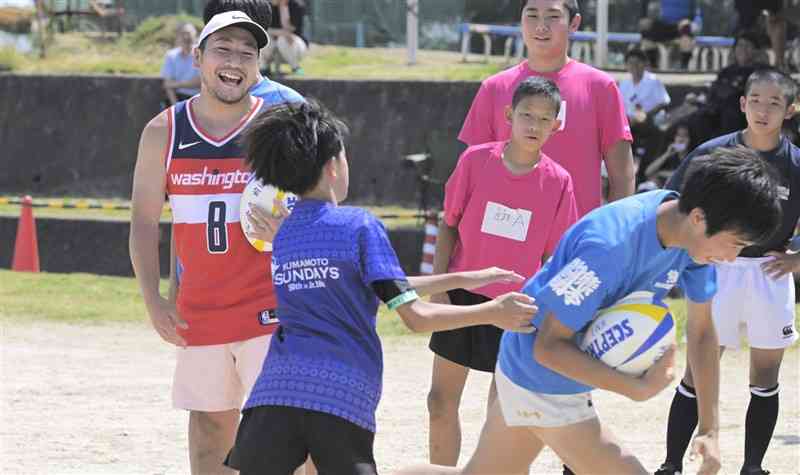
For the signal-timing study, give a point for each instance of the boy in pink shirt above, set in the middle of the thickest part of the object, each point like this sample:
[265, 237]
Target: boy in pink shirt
[507, 205]
[594, 126]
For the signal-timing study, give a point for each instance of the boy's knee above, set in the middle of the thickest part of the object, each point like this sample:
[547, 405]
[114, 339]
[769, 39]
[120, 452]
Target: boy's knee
[212, 423]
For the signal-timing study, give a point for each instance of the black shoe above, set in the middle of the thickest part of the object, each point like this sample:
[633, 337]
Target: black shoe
[753, 471]
[668, 469]
[567, 471]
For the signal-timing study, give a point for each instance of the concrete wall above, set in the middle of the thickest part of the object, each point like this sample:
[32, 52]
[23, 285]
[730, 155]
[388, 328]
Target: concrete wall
[78, 135]
[101, 247]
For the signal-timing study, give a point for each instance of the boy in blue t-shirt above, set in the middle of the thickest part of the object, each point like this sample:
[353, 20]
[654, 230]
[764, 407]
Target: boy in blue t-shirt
[322, 378]
[645, 243]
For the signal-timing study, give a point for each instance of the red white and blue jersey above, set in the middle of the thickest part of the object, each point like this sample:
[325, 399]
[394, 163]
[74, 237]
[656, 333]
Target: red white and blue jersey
[225, 291]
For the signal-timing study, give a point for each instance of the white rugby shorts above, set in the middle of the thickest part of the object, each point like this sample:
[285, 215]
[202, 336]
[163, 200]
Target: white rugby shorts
[522, 407]
[749, 302]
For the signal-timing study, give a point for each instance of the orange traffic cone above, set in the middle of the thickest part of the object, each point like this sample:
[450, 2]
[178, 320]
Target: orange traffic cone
[26, 247]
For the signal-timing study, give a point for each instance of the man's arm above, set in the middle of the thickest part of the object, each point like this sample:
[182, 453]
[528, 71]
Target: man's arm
[169, 90]
[286, 19]
[703, 352]
[621, 177]
[149, 184]
[167, 75]
[654, 167]
[655, 110]
[173, 268]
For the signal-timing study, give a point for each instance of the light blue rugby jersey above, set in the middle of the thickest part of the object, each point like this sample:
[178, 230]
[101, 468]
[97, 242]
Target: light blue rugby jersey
[609, 254]
[275, 93]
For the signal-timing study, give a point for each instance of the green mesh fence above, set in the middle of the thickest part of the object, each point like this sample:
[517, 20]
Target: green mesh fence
[383, 22]
[138, 10]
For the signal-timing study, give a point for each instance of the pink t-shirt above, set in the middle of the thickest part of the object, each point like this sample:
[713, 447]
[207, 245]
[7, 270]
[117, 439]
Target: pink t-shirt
[503, 219]
[593, 120]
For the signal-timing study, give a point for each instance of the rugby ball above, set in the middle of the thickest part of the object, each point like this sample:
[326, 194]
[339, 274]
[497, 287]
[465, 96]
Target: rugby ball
[630, 335]
[262, 196]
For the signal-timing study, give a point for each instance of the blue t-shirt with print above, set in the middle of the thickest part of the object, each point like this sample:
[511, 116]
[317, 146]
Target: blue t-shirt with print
[607, 255]
[326, 355]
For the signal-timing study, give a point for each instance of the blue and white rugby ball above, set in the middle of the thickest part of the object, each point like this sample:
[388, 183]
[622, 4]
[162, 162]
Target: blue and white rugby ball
[630, 335]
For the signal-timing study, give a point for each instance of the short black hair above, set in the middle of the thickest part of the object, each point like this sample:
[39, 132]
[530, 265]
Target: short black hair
[260, 11]
[536, 86]
[787, 84]
[287, 146]
[636, 53]
[570, 5]
[737, 191]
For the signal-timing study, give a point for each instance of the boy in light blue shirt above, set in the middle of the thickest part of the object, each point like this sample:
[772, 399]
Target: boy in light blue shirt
[648, 242]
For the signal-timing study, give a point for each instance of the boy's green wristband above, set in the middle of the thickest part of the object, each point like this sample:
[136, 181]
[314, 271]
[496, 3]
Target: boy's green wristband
[401, 299]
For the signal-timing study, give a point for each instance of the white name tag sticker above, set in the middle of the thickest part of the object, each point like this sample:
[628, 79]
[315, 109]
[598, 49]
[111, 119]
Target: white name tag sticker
[499, 220]
[562, 115]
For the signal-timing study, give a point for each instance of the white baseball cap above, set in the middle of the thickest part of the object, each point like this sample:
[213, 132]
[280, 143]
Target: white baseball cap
[237, 18]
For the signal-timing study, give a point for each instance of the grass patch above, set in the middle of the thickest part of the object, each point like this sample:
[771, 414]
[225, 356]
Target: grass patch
[160, 31]
[10, 59]
[334, 62]
[71, 298]
[677, 307]
[100, 300]
[142, 52]
[72, 53]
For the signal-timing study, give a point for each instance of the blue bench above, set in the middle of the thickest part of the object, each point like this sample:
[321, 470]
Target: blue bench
[582, 48]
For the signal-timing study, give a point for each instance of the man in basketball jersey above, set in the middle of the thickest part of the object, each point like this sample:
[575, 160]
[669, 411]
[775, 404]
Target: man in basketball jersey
[223, 317]
[273, 92]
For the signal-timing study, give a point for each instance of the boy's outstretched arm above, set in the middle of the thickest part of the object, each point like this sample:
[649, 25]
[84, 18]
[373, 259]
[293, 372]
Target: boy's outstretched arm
[440, 283]
[512, 311]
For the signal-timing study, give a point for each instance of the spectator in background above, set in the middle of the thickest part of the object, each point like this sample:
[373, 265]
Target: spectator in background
[722, 113]
[672, 22]
[289, 45]
[750, 11]
[645, 98]
[660, 170]
[181, 78]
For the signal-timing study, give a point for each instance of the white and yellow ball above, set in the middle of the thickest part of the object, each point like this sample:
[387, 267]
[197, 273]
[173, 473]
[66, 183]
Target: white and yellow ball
[630, 335]
[263, 196]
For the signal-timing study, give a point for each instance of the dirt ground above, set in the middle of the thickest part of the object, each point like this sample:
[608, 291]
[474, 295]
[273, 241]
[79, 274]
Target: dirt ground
[96, 399]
